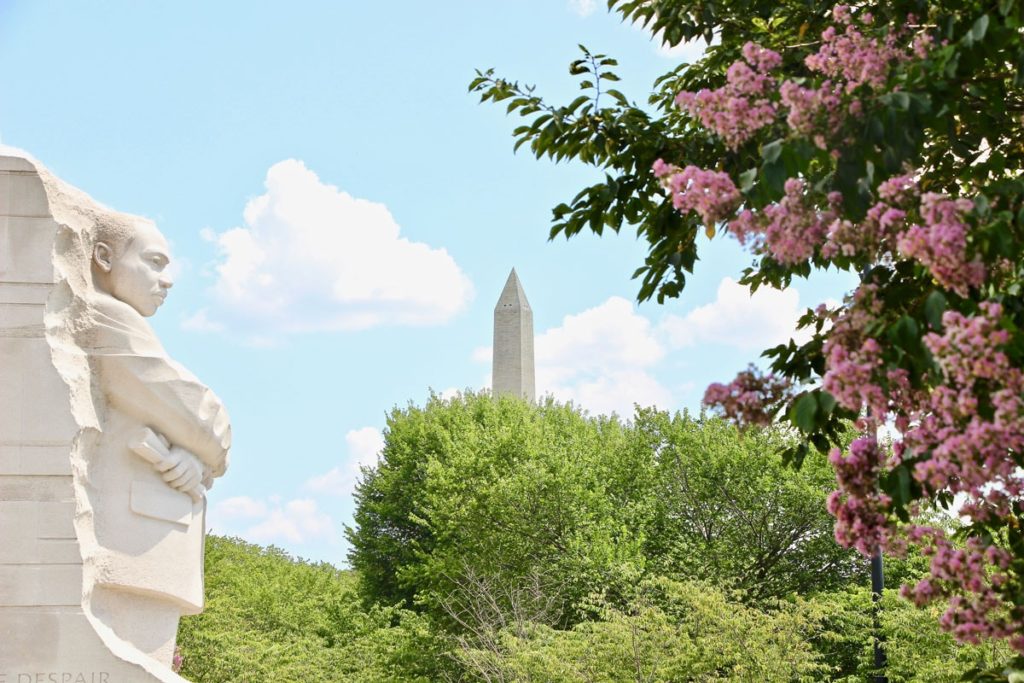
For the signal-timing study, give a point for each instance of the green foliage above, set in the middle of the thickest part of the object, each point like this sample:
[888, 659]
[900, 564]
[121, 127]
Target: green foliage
[944, 113]
[726, 506]
[919, 651]
[269, 617]
[665, 631]
[473, 490]
[915, 646]
[594, 567]
[473, 487]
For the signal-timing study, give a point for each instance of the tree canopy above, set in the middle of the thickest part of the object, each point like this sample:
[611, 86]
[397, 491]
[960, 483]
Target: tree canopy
[473, 489]
[556, 546]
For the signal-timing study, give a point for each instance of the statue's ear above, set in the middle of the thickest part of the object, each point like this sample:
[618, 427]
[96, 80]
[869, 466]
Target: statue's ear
[103, 256]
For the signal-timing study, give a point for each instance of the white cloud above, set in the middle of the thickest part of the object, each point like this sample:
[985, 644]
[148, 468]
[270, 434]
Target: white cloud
[584, 8]
[200, 322]
[270, 521]
[739, 319]
[687, 51]
[311, 257]
[602, 359]
[241, 507]
[297, 521]
[483, 354]
[450, 393]
[364, 445]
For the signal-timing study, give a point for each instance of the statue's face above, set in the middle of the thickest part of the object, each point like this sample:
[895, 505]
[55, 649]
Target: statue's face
[138, 275]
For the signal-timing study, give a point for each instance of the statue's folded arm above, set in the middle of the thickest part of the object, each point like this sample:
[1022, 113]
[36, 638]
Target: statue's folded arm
[155, 392]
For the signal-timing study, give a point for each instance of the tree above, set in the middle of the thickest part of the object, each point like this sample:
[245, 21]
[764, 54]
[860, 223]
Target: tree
[885, 139]
[270, 617]
[726, 509]
[665, 631]
[472, 488]
[492, 511]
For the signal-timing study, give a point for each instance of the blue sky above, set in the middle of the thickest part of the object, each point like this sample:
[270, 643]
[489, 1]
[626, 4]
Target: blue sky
[344, 215]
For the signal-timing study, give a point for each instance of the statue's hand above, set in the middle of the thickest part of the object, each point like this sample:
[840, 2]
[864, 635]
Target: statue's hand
[182, 471]
[180, 468]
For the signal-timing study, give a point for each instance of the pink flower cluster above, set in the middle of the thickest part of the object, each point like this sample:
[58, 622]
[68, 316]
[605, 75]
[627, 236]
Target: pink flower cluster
[860, 510]
[813, 111]
[937, 240]
[940, 243]
[711, 194]
[968, 451]
[850, 376]
[848, 59]
[970, 578]
[955, 445]
[741, 107]
[790, 230]
[875, 236]
[752, 398]
[855, 371]
[851, 57]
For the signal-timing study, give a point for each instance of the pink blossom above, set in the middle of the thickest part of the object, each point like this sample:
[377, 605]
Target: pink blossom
[744, 105]
[752, 398]
[940, 243]
[790, 230]
[711, 194]
[854, 58]
[969, 578]
[812, 109]
[860, 510]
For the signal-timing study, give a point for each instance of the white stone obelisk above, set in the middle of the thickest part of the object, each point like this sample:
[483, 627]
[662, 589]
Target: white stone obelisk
[512, 365]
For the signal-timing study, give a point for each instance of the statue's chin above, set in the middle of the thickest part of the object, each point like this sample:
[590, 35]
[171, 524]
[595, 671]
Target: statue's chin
[147, 309]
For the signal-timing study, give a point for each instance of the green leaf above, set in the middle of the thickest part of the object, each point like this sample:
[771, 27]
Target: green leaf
[981, 205]
[980, 28]
[900, 100]
[827, 402]
[803, 412]
[747, 179]
[905, 333]
[770, 152]
[904, 484]
[934, 307]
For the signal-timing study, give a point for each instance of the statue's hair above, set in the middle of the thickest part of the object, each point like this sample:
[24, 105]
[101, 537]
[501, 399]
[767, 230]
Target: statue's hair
[116, 230]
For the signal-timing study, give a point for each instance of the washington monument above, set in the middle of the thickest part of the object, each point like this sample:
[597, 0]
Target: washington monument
[512, 366]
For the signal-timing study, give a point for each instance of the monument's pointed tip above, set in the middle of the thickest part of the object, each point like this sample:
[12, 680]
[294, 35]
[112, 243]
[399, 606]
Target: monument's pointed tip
[513, 294]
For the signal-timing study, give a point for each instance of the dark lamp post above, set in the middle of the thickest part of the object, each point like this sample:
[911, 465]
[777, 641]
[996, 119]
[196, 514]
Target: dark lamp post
[877, 584]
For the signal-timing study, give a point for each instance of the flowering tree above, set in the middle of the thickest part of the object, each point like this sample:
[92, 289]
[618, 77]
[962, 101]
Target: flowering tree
[884, 139]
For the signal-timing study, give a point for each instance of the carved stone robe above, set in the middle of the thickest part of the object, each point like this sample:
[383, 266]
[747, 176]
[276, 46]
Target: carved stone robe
[149, 536]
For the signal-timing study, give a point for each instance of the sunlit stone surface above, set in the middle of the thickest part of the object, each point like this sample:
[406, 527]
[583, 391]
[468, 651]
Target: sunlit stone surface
[107, 446]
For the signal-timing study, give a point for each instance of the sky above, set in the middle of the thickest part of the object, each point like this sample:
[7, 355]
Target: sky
[344, 214]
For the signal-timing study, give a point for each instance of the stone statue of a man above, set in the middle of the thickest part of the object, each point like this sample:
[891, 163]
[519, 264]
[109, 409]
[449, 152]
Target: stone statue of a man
[164, 437]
